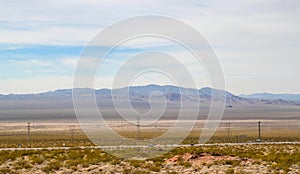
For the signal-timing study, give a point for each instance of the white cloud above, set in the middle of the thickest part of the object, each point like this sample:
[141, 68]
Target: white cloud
[30, 63]
[70, 62]
[256, 41]
[35, 85]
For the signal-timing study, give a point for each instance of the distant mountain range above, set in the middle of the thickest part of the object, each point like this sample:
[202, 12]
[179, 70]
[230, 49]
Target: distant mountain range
[143, 93]
[270, 96]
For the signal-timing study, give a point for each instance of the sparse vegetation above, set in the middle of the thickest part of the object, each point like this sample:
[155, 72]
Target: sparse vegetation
[230, 159]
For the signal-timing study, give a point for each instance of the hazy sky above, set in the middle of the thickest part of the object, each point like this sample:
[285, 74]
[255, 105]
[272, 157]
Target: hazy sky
[257, 42]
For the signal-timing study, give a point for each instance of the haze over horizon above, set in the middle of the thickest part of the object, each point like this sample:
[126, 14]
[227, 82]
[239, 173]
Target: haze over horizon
[257, 43]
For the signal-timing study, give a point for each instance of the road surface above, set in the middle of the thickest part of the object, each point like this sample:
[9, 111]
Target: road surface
[148, 146]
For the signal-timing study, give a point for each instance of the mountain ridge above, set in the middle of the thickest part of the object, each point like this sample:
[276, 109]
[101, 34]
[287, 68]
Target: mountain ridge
[143, 93]
[271, 96]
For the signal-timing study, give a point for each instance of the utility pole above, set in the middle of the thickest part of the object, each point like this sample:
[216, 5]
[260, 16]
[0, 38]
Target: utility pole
[228, 133]
[28, 132]
[138, 129]
[72, 132]
[259, 137]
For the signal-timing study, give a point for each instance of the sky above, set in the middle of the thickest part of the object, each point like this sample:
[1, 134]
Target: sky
[256, 42]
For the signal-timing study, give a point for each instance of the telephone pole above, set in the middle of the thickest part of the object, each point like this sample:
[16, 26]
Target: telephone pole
[259, 137]
[138, 129]
[228, 133]
[72, 129]
[28, 132]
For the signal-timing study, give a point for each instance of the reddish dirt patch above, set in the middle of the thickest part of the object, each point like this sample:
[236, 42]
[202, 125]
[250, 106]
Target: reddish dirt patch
[200, 159]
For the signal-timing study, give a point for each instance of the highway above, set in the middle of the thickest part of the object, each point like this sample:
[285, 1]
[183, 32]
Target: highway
[150, 146]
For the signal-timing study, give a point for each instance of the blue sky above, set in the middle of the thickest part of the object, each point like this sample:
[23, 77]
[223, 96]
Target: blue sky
[257, 42]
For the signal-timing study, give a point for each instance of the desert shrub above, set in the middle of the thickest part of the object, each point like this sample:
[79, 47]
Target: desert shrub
[283, 160]
[136, 163]
[52, 166]
[116, 162]
[37, 159]
[28, 152]
[232, 162]
[7, 170]
[92, 157]
[8, 155]
[186, 164]
[208, 165]
[172, 172]
[229, 171]
[218, 162]
[159, 160]
[126, 171]
[75, 162]
[104, 157]
[181, 162]
[22, 165]
[75, 154]
[181, 151]
[152, 167]
[140, 172]
[241, 172]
